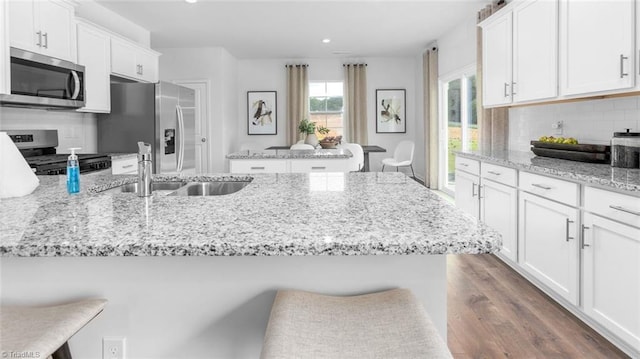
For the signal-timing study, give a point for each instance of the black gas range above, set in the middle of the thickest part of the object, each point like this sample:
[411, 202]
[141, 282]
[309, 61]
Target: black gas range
[38, 149]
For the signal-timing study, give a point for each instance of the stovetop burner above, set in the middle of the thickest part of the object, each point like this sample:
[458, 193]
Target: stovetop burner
[38, 149]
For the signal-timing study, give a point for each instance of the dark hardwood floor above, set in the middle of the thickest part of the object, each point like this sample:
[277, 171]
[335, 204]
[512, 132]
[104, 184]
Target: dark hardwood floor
[493, 312]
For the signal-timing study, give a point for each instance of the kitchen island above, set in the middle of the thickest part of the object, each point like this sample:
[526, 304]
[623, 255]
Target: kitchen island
[195, 276]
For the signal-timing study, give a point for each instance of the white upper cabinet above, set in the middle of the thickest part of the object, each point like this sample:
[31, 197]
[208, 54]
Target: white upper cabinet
[496, 61]
[597, 48]
[94, 53]
[43, 26]
[5, 84]
[132, 61]
[519, 54]
[535, 51]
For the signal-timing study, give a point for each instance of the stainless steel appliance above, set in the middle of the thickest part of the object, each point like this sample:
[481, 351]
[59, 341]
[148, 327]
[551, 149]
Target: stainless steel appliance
[43, 81]
[39, 150]
[161, 114]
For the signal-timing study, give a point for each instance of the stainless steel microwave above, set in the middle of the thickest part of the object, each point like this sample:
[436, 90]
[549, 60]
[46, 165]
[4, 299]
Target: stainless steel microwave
[43, 81]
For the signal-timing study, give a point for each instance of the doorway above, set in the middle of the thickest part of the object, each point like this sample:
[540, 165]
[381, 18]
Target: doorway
[201, 87]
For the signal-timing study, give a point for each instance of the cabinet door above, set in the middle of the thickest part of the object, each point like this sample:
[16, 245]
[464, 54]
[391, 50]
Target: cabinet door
[612, 276]
[467, 193]
[597, 46]
[499, 210]
[496, 61]
[5, 81]
[123, 59]
[258, 166]
[535, 54]
[56, 24]
[148, 66]
[548, 244]
[94, 52]
[23, 30]
[309, 165]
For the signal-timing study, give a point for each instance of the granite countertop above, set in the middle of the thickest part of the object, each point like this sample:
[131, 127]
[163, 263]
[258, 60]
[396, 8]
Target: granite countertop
[118, 156]
[625, 180]
[291, 154]
[275, 215]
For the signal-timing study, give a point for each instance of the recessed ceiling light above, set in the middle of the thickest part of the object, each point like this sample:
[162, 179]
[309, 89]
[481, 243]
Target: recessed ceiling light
[191, 1]
[326, 41]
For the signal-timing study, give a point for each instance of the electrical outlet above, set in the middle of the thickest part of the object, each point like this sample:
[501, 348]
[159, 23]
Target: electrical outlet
[113, 347]
[557, 126]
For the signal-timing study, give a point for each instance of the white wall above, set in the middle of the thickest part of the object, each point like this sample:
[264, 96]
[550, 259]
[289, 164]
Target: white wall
[382, 73]
[75, 129]
[457, 48]
[216, 65]
[98, 14]
[588, 121]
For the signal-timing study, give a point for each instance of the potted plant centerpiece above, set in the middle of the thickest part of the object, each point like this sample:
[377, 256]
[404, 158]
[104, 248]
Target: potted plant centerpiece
[309, 129]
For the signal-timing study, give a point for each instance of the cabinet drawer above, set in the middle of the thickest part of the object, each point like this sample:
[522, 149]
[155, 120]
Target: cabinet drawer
[552, 188]
[617, 206]
[258, 166]
[305, 166]
[499, 174]
[468, 165]
[124, 166]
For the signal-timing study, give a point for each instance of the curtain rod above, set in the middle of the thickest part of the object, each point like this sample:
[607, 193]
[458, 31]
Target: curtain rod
[300, 65]
[354, 65]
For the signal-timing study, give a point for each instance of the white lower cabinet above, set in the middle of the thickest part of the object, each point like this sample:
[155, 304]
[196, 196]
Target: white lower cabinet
[499, 210]
[288, 165]
[258, 166]
[124, 165]
[548, 244]
[467, 193]
[611, 276]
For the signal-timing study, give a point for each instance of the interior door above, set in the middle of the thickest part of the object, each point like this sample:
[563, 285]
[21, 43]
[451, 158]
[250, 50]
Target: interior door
[201, 114]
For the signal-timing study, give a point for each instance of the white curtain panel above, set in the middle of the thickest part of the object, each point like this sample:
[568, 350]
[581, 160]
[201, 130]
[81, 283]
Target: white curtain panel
[297, 100]
[430, 114]
[355, 103]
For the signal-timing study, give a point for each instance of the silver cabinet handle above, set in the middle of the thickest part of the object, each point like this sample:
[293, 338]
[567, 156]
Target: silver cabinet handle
[583, 245]
[39, 33]
[464, 165]
[620, 208]
[494, 173]
[567, 234]
[127, 166]
[622, 73]
[141, 69]
[46, 40]
[257, 168]
[513, 88]
[318, 168]
[480, 191]
[506, 89]
[473, 190]
[540, 186]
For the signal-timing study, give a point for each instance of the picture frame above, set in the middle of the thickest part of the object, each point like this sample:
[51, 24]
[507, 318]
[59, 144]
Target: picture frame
[391, 111]
[262, 118]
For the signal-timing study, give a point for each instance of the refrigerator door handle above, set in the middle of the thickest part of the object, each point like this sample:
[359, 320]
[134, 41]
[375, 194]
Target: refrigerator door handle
[181, 129]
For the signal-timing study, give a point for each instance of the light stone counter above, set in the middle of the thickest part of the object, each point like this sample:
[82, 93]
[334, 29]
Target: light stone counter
[290, 154]
[276, 214]
[195, 277]
[624, 180]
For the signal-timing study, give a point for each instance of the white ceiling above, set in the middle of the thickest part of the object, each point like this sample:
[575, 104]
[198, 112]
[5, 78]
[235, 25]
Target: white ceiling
[295, 28]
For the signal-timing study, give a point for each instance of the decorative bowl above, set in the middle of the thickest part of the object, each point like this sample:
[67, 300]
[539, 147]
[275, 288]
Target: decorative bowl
[327, 145]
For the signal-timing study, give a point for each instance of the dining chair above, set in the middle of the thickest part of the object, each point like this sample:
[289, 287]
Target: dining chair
[402, 156]
[302, 146]
[356, 163]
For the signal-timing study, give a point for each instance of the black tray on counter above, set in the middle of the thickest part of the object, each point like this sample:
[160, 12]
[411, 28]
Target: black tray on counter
[580, 152]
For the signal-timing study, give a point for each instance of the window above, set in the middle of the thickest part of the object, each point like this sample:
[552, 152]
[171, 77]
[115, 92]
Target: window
[326, 106]
[458, 122]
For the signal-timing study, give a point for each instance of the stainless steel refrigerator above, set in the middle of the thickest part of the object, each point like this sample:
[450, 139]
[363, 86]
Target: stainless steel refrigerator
[161, 114]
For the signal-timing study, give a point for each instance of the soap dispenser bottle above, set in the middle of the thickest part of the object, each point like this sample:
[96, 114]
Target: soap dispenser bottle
[73, 172]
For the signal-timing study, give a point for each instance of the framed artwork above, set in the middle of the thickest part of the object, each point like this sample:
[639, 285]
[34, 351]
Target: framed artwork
[262, 116]
[391, 111]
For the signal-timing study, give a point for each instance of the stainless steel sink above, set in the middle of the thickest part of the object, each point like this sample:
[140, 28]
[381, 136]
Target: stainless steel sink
[156, 186]
[210, 188]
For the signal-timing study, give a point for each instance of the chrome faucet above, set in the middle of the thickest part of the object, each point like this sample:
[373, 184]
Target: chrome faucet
[145, 166]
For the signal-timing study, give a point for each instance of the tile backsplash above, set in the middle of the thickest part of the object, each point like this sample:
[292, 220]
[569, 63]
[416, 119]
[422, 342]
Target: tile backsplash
[75, 129]
[591, 121]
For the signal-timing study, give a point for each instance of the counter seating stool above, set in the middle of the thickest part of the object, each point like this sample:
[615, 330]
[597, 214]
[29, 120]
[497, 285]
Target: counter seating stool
[402, 156]
[389, 324]
[45, 330]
